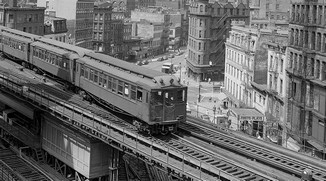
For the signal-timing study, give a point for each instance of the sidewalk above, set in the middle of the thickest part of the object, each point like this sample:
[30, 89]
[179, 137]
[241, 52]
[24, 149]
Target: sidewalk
[208, 100]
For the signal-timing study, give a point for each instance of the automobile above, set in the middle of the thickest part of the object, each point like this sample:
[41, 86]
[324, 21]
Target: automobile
[179, 53]
[139, 63]
[144, 62]
[171, 56]
[160, 59]
[205, 117]
[164, 57]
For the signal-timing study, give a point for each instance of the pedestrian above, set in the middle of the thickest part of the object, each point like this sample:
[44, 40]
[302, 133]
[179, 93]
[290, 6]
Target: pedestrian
[207, 112]
[184, 81]
[209, 80]
[188, 82]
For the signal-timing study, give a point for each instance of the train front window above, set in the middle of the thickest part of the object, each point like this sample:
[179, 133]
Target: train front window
[180, 96]
[157, 98]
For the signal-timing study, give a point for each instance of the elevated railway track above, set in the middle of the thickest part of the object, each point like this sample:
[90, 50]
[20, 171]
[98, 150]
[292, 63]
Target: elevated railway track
[121, 135]
[295, 166]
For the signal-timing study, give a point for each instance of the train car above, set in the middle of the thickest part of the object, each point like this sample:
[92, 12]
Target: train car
[15, 44]
[155, 101]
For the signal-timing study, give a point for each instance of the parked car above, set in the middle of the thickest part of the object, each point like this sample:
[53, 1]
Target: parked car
[171, 56]
[179, 53]
[165, 57]
[160, 59]
[139, 63]
[205, 117]
[144, 62]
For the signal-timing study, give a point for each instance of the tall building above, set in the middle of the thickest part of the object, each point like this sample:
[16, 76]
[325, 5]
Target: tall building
[24, 18]
[265, 13]
[79, 16]
[155, 15]
[108, 29]
[209, 24]
[240, 50]
[145, 3]
[306, 98]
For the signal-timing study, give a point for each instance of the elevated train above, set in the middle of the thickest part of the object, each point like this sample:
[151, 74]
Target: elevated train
[153, 101]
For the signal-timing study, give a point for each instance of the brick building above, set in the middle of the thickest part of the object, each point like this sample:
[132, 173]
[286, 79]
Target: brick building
[156, 16]
[25, 18]
[306, 70]
[209, 24]
[108, 29]
[79, 16]
[55, 28]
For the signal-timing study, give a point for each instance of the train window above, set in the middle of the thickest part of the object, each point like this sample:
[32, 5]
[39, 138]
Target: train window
[100, 80]
[114, 84]
[36, 53]
[91, 74]
[54, 58]
[82, 70]
[126, 90]
[120, 87]
[157, 98]
[86, 72]
[133, 92]
[180, 95]
[95, 76]
[109, 82]
[139, 94]
[104, 80]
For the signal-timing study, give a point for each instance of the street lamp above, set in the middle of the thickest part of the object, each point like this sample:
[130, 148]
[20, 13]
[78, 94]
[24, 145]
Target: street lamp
[199, 91]
[180, 70]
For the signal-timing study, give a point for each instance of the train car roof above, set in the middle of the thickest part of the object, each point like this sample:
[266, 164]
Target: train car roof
[51, 48]
[125, 65]
[17, 37]
[159, 82]
[20, 33]
[73, 48]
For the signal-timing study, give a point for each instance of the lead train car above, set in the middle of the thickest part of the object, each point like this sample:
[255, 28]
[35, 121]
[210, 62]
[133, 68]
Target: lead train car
[156, 101]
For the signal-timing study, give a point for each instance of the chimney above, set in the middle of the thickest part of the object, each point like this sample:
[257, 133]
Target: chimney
[12, 3]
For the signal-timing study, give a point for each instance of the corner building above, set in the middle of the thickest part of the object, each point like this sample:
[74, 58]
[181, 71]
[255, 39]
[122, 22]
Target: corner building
[209, 25]
[306, 73]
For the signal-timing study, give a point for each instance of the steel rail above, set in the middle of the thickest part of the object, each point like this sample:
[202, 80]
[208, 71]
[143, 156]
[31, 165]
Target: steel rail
[217, 137]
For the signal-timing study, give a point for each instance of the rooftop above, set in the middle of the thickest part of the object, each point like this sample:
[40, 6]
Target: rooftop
[246, 112]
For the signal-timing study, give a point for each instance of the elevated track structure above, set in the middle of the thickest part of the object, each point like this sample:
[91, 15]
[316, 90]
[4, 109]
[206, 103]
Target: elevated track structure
[182, 161]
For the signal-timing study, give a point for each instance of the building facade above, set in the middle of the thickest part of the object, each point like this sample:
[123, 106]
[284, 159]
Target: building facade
[209, 24]
[55, 28]
[24, 18]
[306, 70]
[79, 16]
[176, 4]
[265, 13]
[155, 15]
[108, 29]
[240, 50]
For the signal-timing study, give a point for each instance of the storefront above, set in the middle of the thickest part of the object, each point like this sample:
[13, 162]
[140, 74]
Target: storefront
[247, 120]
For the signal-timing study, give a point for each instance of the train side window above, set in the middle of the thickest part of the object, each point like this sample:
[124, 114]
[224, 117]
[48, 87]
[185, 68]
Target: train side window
[36, 53]
[120, 87]
[133, 92]
[140, 94]
[126, 91]
[86, 72]
[95, 76]
[109, 82]
[81, 70]
[91, 74]
[114, 84]
[104, 80]
[100, 79]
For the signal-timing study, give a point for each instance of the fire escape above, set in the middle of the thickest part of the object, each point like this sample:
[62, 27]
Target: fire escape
[217, 49]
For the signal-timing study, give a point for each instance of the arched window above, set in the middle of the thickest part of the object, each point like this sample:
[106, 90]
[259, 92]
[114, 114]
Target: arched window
[201, 8]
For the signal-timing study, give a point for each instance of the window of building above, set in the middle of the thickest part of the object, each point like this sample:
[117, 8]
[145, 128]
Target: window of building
[267, 6]
[199, 46]
[277, 6]
[281, 86]
[11, 18]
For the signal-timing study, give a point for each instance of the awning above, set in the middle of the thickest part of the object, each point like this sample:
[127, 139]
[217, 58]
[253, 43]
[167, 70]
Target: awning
[316, 145]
